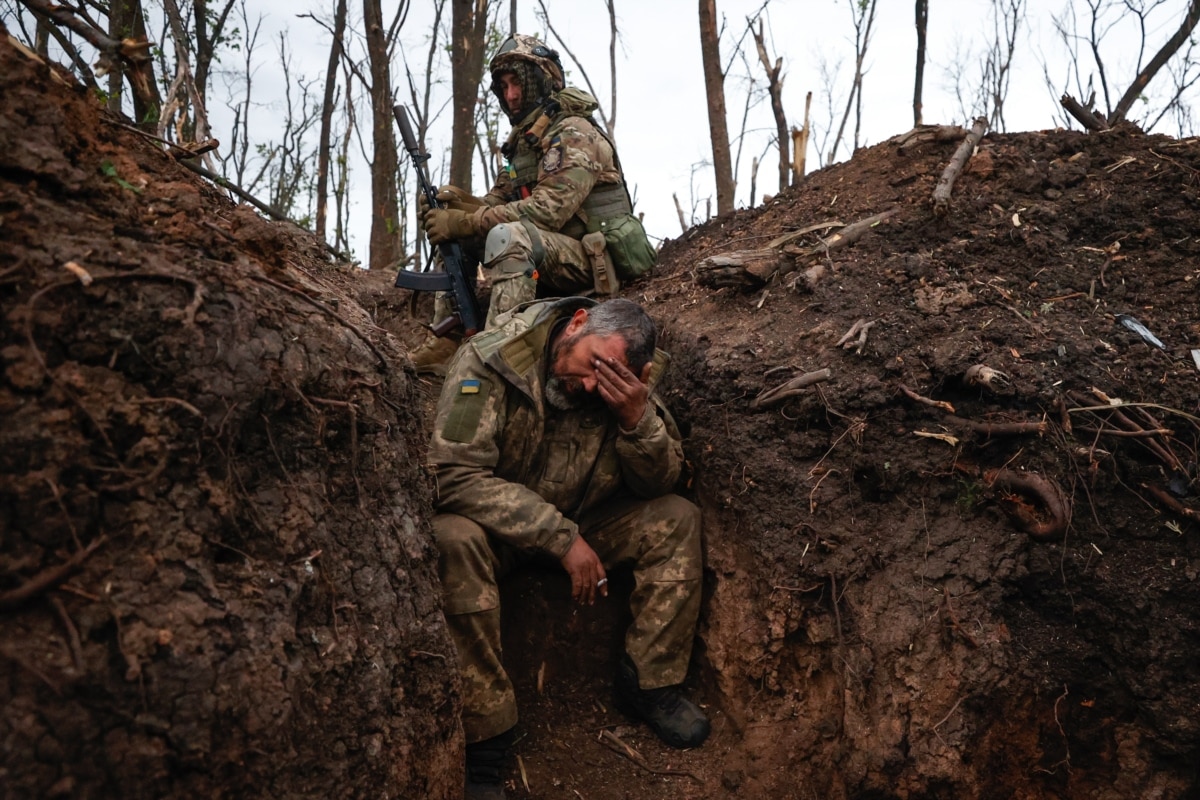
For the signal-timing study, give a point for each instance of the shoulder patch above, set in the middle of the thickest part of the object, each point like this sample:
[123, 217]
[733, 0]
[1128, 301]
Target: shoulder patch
[553, 158]
[466, 411]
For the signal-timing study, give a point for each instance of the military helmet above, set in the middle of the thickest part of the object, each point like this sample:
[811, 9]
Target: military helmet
[536, 66]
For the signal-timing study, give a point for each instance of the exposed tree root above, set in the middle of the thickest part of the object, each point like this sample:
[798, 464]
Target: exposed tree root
[1049, 513]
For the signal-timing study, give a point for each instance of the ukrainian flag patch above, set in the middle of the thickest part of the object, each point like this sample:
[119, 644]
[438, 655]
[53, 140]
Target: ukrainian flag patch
[469, 387]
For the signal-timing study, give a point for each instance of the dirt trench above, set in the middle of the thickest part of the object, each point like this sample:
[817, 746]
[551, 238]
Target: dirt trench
[216, 575]
[220, 438]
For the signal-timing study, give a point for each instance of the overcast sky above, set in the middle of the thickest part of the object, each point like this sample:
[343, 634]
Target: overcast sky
[662, 128]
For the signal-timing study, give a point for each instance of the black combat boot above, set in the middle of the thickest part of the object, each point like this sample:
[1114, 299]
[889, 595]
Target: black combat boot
[676, 720]
[485, 765]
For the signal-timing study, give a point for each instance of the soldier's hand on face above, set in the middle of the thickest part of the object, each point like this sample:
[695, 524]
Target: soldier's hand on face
[624, 392]
[586, 571]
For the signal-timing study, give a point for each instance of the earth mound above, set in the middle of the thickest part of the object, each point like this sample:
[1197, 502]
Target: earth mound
[216, 574]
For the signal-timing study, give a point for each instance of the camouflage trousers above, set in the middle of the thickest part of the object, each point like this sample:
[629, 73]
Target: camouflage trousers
[512, 254]
[660, 538]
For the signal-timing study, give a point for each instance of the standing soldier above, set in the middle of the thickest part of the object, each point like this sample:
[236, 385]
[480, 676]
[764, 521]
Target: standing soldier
[550, 443]
[559, 220]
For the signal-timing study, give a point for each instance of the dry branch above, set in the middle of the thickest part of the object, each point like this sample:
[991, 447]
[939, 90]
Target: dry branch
[858, 329]
[618, 746]
[939, 404]
[753, 268]
[1171, 503]
[927, 133]
[1086, 116]
[999, 428]
[941, 194]
[134, 53]
[789, 388]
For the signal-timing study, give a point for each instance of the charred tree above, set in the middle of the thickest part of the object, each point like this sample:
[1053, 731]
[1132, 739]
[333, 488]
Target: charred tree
[1163, 55]
[922, 22]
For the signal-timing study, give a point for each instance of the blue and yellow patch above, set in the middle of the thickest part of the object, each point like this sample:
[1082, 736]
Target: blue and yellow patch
[469, 387]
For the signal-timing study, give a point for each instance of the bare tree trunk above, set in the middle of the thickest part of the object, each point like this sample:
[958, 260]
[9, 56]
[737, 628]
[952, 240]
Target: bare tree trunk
[183, 91]
[385, 238]
[612, 67]
[207, 38]
[124, 19]
[323, 142]
[919, 84]
[775, 90]
[468, 34]
[714, 84]
[800, 144]
[130, 50]
[863, 12]
[1160, 58]
[607, 120]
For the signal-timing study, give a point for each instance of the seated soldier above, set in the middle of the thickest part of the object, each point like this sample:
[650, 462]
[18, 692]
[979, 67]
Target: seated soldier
[562, 181]
[548, 441]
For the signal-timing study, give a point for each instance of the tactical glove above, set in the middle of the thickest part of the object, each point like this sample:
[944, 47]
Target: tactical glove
[453, 197]
[450, 196]
[448, 224]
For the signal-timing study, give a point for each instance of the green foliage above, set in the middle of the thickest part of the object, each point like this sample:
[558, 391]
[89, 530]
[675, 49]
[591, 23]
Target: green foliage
[108, 169]
[970, 492]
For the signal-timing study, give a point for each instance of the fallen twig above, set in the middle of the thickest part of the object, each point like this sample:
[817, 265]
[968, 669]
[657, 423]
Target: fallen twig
[1090, 119]
[790, 388]
[999, 428]
[614, 743]
[859, 329]
[941, 194]
[1125, 434]
[1171, 503]
[911, 395]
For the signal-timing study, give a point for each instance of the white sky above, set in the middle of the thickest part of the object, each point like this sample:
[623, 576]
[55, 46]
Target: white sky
[662, 126]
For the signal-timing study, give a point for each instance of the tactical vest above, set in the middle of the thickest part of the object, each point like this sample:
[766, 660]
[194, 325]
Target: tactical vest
[606, 200]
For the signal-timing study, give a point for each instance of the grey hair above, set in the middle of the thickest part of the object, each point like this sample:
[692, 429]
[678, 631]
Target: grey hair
[628, 320]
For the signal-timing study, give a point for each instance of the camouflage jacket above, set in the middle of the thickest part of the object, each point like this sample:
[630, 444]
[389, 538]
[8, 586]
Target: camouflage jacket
[548, 182]
[525, 471]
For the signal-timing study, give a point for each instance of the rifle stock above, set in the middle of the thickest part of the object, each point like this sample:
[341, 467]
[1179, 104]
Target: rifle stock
[457, 279]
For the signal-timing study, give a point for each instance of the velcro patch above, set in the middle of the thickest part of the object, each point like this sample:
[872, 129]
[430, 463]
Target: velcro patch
[466, 411]
[553, 158]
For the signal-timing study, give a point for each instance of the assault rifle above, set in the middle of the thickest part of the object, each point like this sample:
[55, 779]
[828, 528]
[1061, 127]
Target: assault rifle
[458, 279]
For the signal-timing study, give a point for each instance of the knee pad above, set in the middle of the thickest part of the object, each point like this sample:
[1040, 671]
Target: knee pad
[514, 241]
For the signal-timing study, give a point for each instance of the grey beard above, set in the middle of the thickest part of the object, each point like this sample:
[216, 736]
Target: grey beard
[559, 398]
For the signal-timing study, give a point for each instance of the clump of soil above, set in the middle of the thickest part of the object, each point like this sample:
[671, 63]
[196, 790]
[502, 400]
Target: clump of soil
[216, 575]
[921, 582]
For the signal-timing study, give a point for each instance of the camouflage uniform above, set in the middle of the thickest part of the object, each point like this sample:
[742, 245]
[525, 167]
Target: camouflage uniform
[517, 478]
[538, 211]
